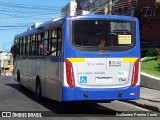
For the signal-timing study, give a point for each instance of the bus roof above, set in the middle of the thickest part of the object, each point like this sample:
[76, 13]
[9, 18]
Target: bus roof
[93, 16]
[41, 27]
[59, 21]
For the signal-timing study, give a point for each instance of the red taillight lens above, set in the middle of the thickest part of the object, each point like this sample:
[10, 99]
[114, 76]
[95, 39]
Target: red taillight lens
[135, 73]
[70, 74]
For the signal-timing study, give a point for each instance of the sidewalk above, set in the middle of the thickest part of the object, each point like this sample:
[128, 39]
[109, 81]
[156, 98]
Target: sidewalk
[149, 94]
[149, 99]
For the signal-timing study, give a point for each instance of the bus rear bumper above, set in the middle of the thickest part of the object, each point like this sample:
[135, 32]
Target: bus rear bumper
[100, 94]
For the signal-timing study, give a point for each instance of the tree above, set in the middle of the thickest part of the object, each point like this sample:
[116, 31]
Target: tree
[157, 2]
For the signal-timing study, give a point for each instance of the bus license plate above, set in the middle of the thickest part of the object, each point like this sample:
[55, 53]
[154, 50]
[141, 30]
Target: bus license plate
[103, 79]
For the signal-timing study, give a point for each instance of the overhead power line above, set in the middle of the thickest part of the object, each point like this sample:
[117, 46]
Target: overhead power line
[24, 6]
[21, 16]
[11, 26]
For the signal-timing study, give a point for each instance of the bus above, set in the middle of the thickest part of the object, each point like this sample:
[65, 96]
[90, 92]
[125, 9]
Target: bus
[80, 69]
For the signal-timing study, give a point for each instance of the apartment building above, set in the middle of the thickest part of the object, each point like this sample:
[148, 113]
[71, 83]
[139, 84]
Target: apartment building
[94, 6]
[6, 63]
[148, 12]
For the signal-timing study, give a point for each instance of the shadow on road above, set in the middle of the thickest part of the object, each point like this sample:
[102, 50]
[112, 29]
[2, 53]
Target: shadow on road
[68, 108]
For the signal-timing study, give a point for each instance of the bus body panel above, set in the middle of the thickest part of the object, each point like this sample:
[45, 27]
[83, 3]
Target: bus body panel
[101, 94]
[54, 78]
[99, 83]
[103, 72]
[40, 67]
[50, 77]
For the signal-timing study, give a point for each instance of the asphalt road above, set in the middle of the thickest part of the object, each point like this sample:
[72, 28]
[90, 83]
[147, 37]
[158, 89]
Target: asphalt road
[14, 100]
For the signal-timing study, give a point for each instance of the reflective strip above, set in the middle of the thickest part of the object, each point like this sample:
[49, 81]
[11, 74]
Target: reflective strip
[129, 59]
[76, 59]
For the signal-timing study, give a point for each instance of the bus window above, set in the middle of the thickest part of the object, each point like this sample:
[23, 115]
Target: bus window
[59, 41]
[21, 46]
[38, 43]
[33, 45]
[27, 45]
[41, 42]
[46, 45]
[54, 33]
[53, 47]
[115, 34]
[55, 42]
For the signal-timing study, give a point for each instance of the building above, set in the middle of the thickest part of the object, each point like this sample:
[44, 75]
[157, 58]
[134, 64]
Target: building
[6, 63]
[149, 15]
[93, 6]
[69, 9]
[148, 12]
[124, 7]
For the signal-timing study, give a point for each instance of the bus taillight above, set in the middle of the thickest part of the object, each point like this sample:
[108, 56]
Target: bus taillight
[70, 74]
[135, 73]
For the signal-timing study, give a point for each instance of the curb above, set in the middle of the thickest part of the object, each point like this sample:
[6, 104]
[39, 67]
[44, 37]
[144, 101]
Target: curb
[146, 106]
[150, 100]
[149, 81]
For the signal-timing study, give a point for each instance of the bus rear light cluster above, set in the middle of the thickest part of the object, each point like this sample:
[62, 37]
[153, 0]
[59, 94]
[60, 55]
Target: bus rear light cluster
[70, 74]
[135, 73]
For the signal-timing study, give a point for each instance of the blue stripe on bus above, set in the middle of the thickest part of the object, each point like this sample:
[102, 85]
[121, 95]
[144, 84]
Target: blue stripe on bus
[126, 93]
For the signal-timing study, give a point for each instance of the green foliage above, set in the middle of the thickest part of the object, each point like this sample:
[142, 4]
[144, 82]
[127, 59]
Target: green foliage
[157, 1]
[149, 65]
[157, 43]
[153, 52]
[158, 58]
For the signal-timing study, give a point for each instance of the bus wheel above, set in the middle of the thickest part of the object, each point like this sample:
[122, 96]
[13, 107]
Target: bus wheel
[38, 90]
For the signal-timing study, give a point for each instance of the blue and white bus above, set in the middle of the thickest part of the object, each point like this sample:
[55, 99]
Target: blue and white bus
[80, 68]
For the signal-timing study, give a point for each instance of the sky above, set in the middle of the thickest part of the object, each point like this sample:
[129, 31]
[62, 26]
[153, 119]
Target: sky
[16, 16]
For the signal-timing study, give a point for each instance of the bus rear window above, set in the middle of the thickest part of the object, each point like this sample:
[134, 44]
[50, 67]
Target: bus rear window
[103, 34]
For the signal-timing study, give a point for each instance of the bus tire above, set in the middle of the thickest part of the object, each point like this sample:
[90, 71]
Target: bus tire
[38, 90]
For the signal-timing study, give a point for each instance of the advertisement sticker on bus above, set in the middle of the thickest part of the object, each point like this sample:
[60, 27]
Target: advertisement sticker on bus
[83, 79]
[124, 39]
